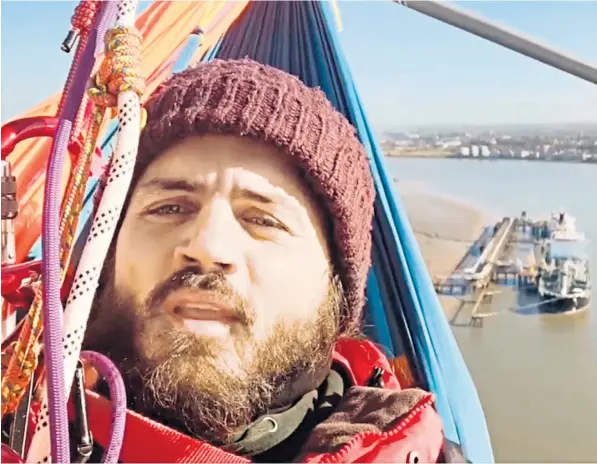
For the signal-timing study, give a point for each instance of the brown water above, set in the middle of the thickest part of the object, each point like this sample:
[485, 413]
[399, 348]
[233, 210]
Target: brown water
[537, 378]
[536, 374]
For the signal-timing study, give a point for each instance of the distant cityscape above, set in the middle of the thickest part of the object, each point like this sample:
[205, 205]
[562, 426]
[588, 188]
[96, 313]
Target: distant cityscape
[532, 143]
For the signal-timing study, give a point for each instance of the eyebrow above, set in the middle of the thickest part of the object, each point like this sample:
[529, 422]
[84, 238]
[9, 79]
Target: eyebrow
[252, 195]
[172, 184]
[198, 187]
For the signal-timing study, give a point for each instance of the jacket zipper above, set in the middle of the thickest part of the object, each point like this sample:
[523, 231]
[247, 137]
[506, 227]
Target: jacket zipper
[417, 410]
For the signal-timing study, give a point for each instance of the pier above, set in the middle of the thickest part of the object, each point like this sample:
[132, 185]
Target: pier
[509, 252]
[477, 267]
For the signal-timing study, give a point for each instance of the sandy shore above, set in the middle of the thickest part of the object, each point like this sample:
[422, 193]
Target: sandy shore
[445, 228]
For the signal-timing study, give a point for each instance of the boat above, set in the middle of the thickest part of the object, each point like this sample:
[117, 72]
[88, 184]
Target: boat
[403, 314]
[565, 280]
[562, 226]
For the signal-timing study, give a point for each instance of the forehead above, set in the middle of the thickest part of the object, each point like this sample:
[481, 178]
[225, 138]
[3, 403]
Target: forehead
[253, 164]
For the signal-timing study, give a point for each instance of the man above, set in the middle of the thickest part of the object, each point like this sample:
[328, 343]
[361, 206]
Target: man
[238, 275]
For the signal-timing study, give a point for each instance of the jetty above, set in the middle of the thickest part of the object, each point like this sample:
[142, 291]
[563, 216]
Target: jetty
[478, 267]
[514, 252]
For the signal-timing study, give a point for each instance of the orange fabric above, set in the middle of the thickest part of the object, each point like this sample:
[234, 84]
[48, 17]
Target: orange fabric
[165, 27]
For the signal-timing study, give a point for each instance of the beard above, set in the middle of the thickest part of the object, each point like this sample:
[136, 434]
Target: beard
[205, 386]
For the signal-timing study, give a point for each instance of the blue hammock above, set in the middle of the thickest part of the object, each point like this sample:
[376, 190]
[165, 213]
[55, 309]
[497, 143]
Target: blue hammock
[403, 310]
[403, 313]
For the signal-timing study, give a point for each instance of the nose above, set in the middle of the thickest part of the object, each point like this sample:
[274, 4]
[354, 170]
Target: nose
[212, 243]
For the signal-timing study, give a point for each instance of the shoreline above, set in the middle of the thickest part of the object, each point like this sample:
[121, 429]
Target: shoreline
[445, 228]
[450, 156]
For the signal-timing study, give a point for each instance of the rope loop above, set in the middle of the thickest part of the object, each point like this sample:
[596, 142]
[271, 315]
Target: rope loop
[120, 70]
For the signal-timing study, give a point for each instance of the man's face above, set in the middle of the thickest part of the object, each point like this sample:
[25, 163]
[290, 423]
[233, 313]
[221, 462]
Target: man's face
[220, 284]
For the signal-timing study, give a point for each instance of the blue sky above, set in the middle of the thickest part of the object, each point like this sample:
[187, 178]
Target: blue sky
[409, 69]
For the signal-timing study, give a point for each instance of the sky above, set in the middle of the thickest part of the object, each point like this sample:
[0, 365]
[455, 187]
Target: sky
[410, 70]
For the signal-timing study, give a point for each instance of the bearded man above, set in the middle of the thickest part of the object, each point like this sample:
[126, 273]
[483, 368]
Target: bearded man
[237, 278]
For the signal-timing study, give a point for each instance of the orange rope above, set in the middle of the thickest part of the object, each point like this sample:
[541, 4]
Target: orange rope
[120, 68]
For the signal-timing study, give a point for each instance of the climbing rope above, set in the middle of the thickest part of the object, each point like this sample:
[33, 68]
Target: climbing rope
[26, 349]
[118, 396]
[57, 391]
[23, 354]
[118, 81]
[120, 69]
[81, 22]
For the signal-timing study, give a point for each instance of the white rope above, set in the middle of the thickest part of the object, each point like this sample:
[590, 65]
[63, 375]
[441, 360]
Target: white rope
[82, 293]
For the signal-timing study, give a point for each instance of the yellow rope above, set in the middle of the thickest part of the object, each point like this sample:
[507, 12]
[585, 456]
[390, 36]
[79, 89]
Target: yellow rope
[120, 68]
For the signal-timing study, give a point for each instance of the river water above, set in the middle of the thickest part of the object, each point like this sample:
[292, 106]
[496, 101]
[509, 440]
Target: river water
[536, 373]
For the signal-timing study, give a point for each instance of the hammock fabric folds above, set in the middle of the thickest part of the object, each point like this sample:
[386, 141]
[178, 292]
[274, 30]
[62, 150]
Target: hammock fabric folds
[404, 314]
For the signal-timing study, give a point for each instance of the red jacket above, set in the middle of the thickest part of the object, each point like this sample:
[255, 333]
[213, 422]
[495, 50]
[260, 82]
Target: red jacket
[371, 424]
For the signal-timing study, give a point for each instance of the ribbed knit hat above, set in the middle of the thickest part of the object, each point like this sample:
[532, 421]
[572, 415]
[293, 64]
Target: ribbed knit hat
[245, 98]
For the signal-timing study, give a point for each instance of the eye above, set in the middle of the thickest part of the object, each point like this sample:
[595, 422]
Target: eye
[262, 221]
[170, 209]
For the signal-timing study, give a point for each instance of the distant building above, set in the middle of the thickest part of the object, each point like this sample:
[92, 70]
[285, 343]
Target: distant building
[451, 143]
[403, 143]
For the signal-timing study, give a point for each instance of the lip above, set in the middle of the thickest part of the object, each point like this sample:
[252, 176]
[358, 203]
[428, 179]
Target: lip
[199, 305]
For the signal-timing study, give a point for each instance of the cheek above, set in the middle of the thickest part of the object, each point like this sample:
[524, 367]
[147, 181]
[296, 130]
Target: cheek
[289, 283]
[142, 261]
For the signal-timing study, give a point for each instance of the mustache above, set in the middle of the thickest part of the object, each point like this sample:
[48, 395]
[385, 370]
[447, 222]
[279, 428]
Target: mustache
[194, 278]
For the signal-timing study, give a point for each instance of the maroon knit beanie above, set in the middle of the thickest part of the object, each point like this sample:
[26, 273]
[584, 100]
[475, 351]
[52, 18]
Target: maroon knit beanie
[245, 98]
